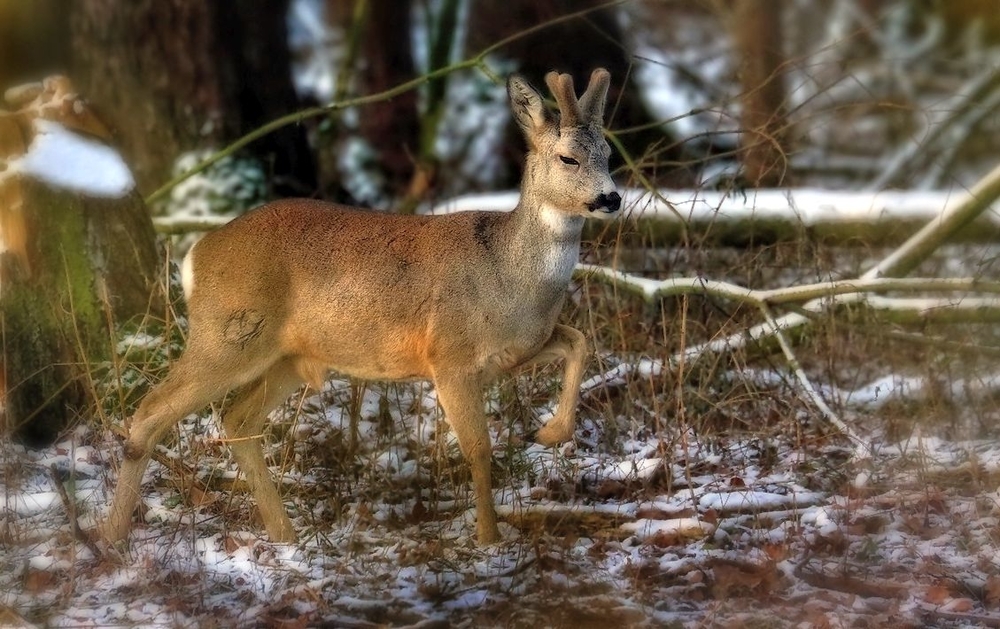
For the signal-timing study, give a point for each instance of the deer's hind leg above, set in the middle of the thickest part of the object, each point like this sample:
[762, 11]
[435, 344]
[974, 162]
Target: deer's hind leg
[192, 384]
[243, 420]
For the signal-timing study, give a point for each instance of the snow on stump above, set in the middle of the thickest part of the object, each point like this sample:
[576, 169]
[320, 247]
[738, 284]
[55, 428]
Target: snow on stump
[77, 254]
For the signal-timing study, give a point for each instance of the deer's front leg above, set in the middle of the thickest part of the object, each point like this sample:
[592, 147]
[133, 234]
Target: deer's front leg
[461, 397]
[569, 344]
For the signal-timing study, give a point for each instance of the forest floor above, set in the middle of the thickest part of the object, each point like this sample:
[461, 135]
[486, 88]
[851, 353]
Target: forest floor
[714, 497]
[761, 531]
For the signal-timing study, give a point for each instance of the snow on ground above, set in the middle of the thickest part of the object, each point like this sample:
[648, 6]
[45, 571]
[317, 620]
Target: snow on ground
[624, 526]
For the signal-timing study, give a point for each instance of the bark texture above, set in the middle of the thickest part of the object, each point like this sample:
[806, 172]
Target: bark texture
[758, 33]
[71, 267]
[392, 127]
[174, 76]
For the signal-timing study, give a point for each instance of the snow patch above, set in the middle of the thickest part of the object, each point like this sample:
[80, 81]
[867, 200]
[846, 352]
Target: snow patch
[808, 206]
[754, 500]
[63, 159]
[691, 528]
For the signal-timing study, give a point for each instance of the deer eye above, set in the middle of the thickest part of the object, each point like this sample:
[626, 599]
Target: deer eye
[569, 161]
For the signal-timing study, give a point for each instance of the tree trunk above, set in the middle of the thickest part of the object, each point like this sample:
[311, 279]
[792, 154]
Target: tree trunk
[758, 33]
[23, 26]
[150, 68]
[392, 127]
[71, 265]
[185, 74]
[54, 317]
[258, 82]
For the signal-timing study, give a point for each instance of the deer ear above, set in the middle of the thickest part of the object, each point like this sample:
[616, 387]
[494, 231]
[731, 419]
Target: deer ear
[526, 104]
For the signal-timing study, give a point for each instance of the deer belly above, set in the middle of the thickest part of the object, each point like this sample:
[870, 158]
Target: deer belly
[369, 354]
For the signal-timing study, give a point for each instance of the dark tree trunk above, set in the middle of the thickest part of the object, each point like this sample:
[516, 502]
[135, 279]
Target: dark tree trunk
[174, 76]
[758, 33]
[392, 127]
[32, 40]
[149, 67]
[576, 46]
[254, 34]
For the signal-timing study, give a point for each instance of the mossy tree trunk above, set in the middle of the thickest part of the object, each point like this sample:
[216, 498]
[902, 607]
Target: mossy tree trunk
[86, 264]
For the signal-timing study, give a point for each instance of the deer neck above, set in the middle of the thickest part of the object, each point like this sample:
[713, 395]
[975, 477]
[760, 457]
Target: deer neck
[548, 241]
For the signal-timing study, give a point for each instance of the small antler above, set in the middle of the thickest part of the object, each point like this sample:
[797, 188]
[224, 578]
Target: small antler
[592, 102]
[561, 86]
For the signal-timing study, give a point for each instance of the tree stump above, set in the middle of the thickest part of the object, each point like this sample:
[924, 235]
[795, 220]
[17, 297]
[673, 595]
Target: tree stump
[79, 257]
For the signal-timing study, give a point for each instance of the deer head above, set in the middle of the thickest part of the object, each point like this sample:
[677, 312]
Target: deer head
[567, 163]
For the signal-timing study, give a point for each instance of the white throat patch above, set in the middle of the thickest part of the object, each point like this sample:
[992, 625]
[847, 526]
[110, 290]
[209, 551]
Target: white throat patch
[560, 258]
[558, 222]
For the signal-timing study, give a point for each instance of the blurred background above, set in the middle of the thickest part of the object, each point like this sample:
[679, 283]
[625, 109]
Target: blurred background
[864, 94]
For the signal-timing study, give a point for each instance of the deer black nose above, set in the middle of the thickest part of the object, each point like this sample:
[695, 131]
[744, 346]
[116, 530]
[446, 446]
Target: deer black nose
[611, 202]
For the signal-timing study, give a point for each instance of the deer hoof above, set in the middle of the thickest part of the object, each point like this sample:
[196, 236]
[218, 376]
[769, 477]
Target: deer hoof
[550, 436]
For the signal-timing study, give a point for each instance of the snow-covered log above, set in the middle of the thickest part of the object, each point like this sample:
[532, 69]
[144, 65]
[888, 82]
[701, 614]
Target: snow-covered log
[742, 217]
[731, 217]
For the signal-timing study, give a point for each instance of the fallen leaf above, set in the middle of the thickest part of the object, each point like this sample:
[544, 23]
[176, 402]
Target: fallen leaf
[992, 591]
[611, 489]
[776, 552]
[200, 498]
[732, 578]
[232, 544]
[958, 605]
[38, 580]
[937, 594]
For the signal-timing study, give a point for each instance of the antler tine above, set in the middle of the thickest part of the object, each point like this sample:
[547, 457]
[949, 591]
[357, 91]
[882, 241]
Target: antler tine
[592, 101]
[561, 86]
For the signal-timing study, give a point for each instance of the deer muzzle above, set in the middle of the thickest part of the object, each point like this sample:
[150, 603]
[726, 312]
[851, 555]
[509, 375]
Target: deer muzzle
[608, 202]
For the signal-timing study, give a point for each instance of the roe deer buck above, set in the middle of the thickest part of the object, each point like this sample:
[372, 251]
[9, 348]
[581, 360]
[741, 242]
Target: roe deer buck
[298, 287]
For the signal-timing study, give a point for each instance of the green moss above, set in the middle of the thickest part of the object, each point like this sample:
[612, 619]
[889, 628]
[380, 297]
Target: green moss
[53, 320]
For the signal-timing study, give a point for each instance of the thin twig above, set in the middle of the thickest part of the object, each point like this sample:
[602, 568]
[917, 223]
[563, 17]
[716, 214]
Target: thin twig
[807, 386]
[899, 263]
[70, 507]
[651, 289]
[967, 98]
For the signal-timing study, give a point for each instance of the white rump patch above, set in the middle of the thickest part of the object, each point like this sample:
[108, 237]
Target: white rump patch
[187, 274]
